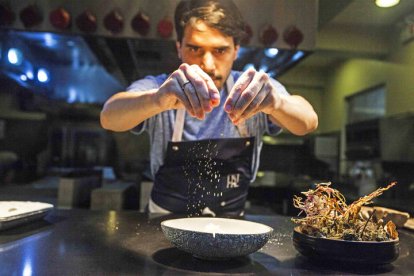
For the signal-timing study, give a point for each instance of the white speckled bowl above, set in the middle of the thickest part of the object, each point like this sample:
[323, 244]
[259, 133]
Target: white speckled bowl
[216, 238]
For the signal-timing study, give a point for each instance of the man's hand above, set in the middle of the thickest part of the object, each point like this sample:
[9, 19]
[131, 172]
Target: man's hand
[191, 88]
[252, 93]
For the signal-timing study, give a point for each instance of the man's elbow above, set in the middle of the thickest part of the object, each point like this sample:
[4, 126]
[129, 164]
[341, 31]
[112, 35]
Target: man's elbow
[313, 125]
[105, 123]
[309, 126]
[108, 123]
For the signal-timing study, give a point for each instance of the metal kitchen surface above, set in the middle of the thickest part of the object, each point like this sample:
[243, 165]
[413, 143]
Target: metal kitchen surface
[79, 242]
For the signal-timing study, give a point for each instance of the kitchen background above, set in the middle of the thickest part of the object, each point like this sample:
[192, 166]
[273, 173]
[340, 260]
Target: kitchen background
[60, 60]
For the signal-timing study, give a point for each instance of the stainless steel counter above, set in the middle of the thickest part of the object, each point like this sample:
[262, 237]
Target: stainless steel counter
[84, 242]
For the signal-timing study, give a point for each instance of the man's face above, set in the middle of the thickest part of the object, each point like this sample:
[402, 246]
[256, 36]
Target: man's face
[210, 49]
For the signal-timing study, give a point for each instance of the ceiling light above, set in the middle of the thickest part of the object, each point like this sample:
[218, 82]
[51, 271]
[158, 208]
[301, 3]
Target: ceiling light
[42, 75]
[271, 52]
[15, 56]
[386, 3]
[298, 55]
[29, 75]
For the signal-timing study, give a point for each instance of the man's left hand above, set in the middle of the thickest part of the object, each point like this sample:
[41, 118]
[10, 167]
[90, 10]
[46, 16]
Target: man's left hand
[252, 93]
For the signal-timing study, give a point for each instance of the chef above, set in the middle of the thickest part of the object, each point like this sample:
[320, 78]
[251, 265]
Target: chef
[205, 121]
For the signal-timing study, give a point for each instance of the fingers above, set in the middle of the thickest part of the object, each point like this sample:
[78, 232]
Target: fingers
[196, 90]
[258, 102]
[190, 87]
[213, 92]
[178, 83]
[248, 95]
[235, 93]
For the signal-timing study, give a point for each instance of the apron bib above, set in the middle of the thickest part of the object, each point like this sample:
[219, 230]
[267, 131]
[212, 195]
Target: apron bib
[204, 176]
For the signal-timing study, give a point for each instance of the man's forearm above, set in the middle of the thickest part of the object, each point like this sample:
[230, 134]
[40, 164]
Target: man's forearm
[125, 110]
[295, 114]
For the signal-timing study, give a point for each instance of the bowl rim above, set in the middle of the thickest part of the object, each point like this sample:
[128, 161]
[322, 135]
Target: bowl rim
[268, 231]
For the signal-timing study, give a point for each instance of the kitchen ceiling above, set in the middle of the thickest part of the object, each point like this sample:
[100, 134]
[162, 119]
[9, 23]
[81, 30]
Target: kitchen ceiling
[339, 21]
[345, 29]
[126, 55]
[355, 28]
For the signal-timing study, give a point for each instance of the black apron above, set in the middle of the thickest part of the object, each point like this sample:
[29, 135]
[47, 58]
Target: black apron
[210, 175]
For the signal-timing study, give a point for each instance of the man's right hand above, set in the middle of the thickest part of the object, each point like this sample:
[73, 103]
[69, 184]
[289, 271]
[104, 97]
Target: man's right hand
[191, 88]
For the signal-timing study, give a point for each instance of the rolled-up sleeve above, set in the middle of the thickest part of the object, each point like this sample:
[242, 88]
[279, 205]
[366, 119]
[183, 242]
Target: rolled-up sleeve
[145, 84]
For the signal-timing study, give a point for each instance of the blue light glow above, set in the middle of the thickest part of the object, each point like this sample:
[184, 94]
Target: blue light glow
[50, 40]
[271, 52]
[272, 74]
[248, 66]
[42, 75]
[23, 77]
[263, 68]
[29, 75]
[15, 56]
[27, 269]
[72, 95]
[242, 51]
[298, 56]
[70, 43]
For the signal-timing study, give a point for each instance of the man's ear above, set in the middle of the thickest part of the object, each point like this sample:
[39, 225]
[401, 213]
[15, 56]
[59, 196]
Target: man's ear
[178, 47]
[236, 52]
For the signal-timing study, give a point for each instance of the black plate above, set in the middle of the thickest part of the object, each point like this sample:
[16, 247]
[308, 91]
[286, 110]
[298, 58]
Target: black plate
[346, 251]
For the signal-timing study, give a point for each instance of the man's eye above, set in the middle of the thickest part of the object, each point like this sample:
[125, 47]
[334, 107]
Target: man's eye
[220, 51]
[194, 49]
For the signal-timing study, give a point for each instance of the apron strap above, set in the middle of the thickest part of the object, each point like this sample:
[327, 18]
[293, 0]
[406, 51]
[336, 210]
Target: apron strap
[242, 128]
[178, 125]
[180, 116]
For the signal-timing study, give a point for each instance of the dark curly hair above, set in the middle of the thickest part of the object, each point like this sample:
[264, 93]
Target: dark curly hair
[222, 15]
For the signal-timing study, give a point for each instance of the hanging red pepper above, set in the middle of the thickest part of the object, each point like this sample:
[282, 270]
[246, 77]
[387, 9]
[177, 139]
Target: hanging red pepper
[114, 22]
[249, 34]
[86, 22]
[268, 35]
[60, 18]
[31, 16]
[7, 16]
[141, 23]
[293, 36]
[165, 27]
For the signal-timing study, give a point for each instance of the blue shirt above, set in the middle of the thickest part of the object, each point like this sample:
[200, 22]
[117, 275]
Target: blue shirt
[215, 125]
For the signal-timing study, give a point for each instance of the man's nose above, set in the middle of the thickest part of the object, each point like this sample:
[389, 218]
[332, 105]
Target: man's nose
[208, 63]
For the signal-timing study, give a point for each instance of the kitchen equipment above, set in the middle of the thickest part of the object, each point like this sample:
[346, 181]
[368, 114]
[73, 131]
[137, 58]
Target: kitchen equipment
[15, 213]
[386, 214]
[362, 252]
[409, 224]
[216, 238]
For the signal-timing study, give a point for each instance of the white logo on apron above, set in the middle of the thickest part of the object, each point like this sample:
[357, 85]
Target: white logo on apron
[233, 180]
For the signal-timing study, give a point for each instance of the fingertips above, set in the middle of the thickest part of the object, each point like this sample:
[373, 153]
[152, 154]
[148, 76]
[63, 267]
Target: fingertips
[234, 120]
[232, 99]
[213, 92]
[214, 98]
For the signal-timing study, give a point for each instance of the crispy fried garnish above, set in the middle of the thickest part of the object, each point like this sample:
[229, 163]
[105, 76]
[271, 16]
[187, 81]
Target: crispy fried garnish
[328, 215]
[391, 230]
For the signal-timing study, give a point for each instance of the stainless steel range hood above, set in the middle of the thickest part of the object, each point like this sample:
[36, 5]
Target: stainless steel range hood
[91, 67]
